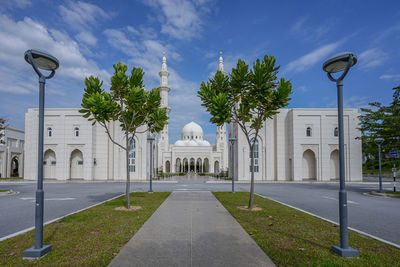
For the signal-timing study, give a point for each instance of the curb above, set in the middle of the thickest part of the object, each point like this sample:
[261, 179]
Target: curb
[56, 219]
[377, 194]
[327, 220]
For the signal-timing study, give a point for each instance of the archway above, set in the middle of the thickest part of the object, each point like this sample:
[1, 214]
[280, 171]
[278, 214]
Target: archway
[216, 167]
[76, 164]
[309, 165]
[14, 167]
[334, 165]
[199, 165]
[49, 164]
[192, 165]
[185, 165]
[178, 166]
[206, 168]
[167, 166]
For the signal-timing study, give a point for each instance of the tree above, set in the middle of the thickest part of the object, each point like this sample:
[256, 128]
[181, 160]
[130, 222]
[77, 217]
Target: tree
[247, 98]
[381, 121]
[2, 128]
[137, 110]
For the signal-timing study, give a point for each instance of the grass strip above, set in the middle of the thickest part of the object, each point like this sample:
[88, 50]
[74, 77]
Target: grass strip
[12, 178]
[89, 238]
[293, 238]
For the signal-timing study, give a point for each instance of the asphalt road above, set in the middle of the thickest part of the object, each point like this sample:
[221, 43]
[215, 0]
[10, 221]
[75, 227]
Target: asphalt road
[374, 215]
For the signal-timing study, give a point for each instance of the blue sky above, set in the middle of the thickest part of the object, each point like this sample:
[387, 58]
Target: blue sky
[88, 37]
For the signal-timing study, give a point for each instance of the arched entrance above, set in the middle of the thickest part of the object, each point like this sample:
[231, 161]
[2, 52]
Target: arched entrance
[167, 166]
[178, 166]
[216, 167]
[15, 167]
[185, 165]
[199, 165]
[334, 165]
[49, 164]
[76, 164]
[206, 167]
[192, 165]
[309, 165]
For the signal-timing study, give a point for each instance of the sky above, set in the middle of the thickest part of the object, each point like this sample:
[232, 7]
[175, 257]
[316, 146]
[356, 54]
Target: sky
[88, 37]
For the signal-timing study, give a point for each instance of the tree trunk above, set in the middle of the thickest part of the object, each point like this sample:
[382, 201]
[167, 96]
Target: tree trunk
[252, 177]
[128, 178]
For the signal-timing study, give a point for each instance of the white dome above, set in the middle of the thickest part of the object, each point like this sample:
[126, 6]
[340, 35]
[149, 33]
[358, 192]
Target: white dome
[192, 131]
[191, 143]
[180, 143]
[203, 143]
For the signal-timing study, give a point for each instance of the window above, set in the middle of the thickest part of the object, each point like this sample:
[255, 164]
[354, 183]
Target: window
[336, 132]
[308, 131]
[54, 163]
[255, 156]
[76, 130]
[44, 162]
[132, 155]
[49, 131]
[80, 162]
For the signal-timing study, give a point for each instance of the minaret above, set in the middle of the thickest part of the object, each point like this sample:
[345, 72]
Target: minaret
[163, 141]
[220, 136]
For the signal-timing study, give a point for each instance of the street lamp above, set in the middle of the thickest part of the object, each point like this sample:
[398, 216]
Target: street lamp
[379, 142]
[232, 140]
[151, 139]
[341, 62]
[40, 60]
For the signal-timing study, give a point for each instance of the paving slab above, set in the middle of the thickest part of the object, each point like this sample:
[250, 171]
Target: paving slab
[191, 228]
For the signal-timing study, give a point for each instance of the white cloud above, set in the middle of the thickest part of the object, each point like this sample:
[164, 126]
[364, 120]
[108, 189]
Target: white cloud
[15, 4]
[18, 36]
[372, 58]
[310, 59]
[390, 77]
[302, 89]
[309, 32]
[87, 38]
[180, 18]
[82, 16]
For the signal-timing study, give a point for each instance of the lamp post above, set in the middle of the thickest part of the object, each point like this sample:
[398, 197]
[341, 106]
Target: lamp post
[40, 60]
[151, 139]
[341, 62]
[232, 140]
[379, 142]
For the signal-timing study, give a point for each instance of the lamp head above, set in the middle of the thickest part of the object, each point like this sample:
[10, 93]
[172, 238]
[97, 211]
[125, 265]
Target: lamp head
[150, 137]
[232, 139]
[42, 59]
[379, 141]
[339, 62]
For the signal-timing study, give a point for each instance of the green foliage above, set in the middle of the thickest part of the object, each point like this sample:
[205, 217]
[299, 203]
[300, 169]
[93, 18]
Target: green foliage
[127, 102]
[381, 121]
[248, 97]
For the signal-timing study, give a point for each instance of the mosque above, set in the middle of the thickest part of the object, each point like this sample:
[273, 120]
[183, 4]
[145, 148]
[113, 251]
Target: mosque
[297, 144]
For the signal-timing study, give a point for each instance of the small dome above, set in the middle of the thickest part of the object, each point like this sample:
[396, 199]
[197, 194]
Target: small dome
[191, 143]
[180, 143]
[203, 143]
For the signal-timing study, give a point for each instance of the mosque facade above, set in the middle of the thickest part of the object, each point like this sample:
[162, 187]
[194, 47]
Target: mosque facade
[295, 145]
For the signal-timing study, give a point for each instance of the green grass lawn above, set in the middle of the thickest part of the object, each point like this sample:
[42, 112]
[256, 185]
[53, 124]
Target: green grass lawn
[4, 190]
[90, 238]
[293, 238]
[392, 193]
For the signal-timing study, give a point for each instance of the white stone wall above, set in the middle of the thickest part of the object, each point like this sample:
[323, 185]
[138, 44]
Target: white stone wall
[283, 142]
[102, 160]
[12, 146]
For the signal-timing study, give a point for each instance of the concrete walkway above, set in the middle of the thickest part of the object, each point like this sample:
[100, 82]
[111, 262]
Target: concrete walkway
[191, 229]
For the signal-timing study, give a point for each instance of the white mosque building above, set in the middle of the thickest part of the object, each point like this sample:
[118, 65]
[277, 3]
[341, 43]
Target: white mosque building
[295, 145]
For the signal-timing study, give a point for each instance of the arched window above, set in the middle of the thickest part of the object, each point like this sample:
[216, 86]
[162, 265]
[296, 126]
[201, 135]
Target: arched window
[76, 130]
[255, 156]
[336, 131]
[49, 131]
[308, 131]
[132, 155]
